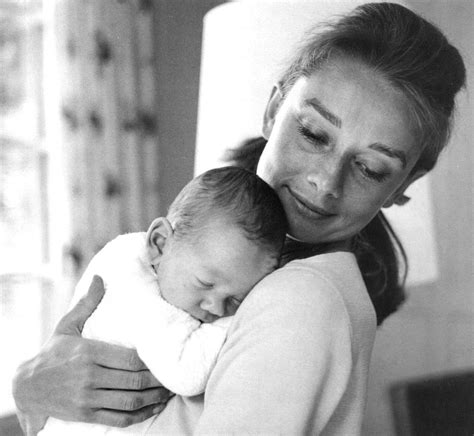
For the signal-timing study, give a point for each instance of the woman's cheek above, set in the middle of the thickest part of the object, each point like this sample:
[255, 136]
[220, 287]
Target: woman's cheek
[270, 166]
[264, 170]
[364, 211]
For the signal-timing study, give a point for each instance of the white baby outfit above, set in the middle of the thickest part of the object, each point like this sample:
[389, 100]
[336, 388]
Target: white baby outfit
[178, 349]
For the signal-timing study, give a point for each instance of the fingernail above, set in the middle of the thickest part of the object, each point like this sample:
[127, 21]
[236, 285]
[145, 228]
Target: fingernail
[157, 409]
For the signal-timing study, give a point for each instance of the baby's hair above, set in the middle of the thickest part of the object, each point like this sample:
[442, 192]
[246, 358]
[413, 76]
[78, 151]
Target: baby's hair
[239, 196]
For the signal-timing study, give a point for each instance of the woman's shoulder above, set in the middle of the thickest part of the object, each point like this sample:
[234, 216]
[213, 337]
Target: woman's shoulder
[336, 263]
[329, 273]
[328, 288]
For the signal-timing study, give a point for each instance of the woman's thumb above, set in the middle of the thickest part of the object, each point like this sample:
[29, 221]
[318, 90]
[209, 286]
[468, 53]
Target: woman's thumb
[73, 322]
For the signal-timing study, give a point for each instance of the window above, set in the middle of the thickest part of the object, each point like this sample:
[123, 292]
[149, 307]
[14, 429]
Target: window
[28, 271]
[77, 168]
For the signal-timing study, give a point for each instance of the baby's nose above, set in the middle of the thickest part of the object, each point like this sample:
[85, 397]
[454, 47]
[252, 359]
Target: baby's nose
[215, 306]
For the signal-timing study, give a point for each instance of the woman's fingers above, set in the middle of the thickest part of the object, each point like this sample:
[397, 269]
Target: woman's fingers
[127, 401]
[78, 379]
[126, 380]
[114, 418]
[73, 322]
[114, 356]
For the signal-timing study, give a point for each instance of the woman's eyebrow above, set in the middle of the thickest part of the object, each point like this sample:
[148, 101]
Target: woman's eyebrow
[336, 121]
[323, 111]
[390, 152]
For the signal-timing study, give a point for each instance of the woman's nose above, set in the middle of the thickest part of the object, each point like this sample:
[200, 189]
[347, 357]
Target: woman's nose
[214, 305]
[327, 177]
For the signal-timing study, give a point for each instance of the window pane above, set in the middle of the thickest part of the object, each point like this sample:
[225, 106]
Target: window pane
[23, 307]
[22, 208]
[26, 298]
[21, 71]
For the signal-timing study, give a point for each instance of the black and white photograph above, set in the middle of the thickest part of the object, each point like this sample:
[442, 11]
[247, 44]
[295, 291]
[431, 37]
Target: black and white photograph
[236, 217]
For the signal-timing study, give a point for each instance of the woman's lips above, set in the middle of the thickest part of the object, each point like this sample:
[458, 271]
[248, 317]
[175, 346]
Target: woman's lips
[309, 208]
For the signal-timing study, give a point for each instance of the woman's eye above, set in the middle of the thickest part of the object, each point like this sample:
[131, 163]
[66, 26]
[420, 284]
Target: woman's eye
[368, 173]
[232, 304]
[317, 138]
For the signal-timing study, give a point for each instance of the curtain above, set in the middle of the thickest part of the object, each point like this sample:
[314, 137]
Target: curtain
[109, 134]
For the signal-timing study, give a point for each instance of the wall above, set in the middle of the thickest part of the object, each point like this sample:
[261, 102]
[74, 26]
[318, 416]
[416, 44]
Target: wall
[178, 32]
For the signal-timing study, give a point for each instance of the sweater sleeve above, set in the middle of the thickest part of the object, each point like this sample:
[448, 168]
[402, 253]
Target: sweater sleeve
[287, 360]
[179, 350]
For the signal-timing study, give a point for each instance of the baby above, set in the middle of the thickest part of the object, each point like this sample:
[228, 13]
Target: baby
[171, 292]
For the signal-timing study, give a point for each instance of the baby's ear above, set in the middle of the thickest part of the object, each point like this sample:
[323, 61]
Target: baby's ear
[158, 232]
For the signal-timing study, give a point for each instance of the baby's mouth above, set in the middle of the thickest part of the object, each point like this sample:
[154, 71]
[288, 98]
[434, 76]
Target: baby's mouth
[208, 318]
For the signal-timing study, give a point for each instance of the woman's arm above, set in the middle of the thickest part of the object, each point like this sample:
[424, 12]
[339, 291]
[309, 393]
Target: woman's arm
[76, 379]
[286, 364]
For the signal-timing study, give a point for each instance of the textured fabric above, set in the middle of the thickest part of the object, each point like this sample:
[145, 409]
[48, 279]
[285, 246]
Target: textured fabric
[296, 359]
[178, 349]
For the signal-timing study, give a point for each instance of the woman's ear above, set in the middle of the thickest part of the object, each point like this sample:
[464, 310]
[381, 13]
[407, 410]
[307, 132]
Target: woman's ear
[273, 105]
[398, 197]
[158, 232]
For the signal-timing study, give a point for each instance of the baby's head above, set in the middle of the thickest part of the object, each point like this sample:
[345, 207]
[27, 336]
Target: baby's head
[224, 232]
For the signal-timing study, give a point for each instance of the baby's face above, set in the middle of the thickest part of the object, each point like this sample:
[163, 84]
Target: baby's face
[208, 276]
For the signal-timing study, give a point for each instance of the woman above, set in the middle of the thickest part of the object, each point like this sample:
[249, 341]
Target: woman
[363, 110]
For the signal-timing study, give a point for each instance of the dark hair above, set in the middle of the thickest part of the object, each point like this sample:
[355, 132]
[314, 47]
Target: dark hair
[416, 58]
[238, 194]
[408, 51]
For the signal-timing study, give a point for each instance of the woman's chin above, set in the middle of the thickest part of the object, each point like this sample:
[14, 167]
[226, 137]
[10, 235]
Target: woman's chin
[300, 231]
[318, 236]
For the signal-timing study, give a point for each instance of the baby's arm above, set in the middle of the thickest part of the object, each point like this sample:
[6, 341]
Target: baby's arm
[179, 350]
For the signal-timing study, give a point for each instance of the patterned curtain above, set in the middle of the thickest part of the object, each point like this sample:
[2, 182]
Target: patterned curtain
[109, 128]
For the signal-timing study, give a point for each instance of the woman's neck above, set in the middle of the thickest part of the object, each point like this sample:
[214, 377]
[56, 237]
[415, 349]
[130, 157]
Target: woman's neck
[326, 247]
[295, 249]
[338, 246]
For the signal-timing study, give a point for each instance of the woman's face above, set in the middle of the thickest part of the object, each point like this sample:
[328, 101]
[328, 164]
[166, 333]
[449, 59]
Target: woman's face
[340, 146]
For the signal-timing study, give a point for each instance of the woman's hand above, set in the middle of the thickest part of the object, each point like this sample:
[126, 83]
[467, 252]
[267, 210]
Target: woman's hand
[77, 379]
